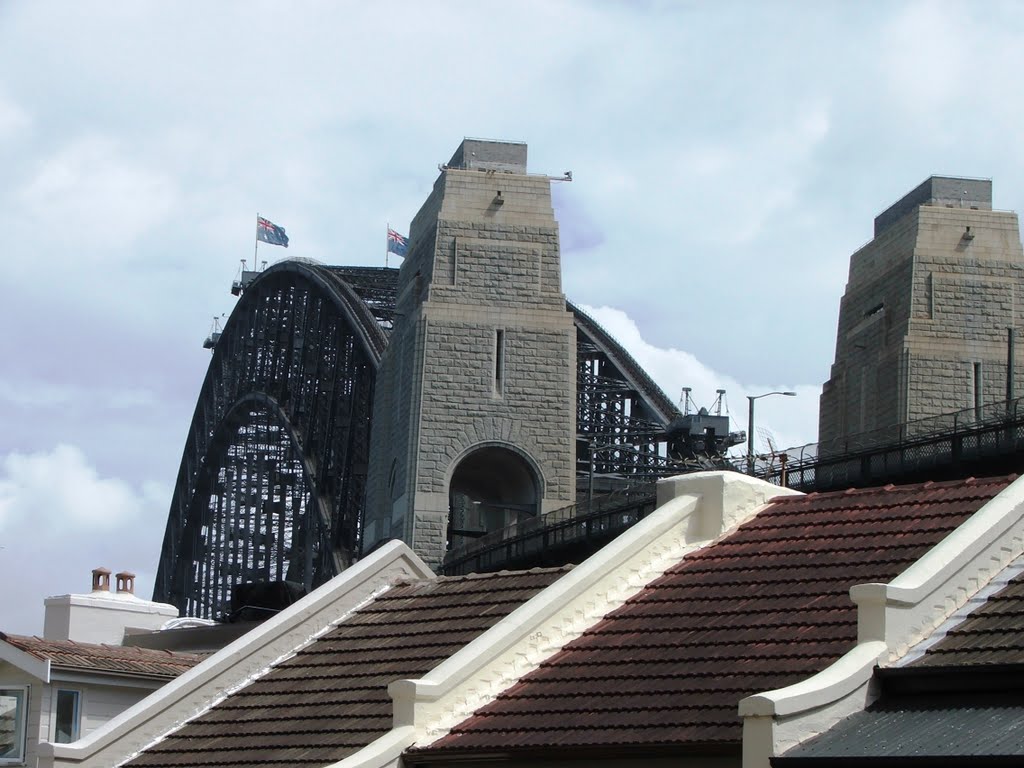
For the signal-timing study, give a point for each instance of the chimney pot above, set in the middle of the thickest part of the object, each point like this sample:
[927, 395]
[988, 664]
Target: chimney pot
[126, 583]
[100, 579]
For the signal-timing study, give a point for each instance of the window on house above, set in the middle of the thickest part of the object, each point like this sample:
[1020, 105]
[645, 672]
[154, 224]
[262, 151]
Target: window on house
[67, 716]
[13, 705]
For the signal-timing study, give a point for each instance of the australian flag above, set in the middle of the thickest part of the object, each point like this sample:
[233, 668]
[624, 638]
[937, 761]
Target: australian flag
[396, 243]
[269, 232]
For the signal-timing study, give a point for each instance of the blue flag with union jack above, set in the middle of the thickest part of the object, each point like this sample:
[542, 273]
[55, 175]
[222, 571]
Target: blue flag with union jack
[269, 232]
[397, 244]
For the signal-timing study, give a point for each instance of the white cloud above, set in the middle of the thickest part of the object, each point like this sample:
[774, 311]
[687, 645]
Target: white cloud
[929, 54]
[36, 394]
[58, 492]
[48, 394]
[59, 519]
[90, 194]
[789, 421]
[14, 120]
[757, 172]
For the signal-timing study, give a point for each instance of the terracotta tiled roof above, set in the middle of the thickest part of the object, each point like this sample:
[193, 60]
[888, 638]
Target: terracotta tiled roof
[763, 608]
[95, 657]
[331, 699]
[993, 633]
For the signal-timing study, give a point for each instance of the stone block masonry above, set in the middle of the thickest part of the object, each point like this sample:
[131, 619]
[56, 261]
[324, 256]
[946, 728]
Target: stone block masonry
[923, 323]
[476, 393]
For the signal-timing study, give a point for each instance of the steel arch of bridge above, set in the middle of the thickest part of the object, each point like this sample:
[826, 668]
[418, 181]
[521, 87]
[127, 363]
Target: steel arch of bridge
[272, 479]
[273, 475]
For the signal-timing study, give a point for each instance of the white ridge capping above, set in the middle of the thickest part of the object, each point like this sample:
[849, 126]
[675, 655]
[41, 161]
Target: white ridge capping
[238, 663]
[385, 752]
[891, 618]
[692, 510]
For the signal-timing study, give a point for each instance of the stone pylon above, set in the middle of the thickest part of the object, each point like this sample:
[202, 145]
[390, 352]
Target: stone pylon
[474, 413]
[923, 323]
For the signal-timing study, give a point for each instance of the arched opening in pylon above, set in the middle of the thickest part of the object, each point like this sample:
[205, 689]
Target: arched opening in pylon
[491, 488]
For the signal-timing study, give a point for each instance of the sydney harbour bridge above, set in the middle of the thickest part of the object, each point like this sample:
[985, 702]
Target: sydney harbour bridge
[441, 404]
[272, 482]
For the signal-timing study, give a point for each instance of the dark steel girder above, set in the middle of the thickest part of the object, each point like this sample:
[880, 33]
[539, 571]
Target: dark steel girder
[290, 385]
[272, 480]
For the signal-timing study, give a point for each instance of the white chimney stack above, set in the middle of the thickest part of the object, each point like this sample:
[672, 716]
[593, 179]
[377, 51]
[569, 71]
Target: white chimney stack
[102, 616]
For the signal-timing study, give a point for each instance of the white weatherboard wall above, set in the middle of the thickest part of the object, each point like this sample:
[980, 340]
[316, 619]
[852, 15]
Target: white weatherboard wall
[102, 696]
[245, 659]
[891, 619]
[693, 510]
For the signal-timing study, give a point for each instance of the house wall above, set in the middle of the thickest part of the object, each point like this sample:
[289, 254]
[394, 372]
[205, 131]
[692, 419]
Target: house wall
[11, 676]
[100, 704]
[102, 616]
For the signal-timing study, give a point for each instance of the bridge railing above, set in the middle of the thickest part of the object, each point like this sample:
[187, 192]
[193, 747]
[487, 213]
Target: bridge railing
[912, 446]
[932, 437]
[593, 520]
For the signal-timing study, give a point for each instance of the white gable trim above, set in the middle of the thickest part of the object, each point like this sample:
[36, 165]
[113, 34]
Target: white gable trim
[891, 618]
[26, 662]
[245, 659]
[693, 510]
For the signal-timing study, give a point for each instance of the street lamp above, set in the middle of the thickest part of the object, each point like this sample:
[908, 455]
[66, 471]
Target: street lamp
[750, 426]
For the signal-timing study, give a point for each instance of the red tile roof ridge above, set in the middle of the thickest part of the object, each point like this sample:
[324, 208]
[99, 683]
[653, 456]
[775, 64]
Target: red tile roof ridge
[975, 617]
[100, 658]
[694, 512]
[902, 488]
[498, 574]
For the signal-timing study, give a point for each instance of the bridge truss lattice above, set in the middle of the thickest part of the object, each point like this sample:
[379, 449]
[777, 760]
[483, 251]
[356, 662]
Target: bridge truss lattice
[272, 480]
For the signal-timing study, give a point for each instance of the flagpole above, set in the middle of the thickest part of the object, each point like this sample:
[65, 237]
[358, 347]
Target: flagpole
[256, 250]
[386, 243]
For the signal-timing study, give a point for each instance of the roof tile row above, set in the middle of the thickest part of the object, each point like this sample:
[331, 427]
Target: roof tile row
[96, 657]
[330, 699]
[991, 634]
[762, 608]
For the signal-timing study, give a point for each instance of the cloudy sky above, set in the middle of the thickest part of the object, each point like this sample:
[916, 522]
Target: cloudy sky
[727, 159]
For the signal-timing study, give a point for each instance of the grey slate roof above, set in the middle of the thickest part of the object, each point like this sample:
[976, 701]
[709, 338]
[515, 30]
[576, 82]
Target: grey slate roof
[919, 727]
[963, 699]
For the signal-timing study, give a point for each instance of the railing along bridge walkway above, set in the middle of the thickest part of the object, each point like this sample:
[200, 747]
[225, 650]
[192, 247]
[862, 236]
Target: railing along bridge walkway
[981, 442]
